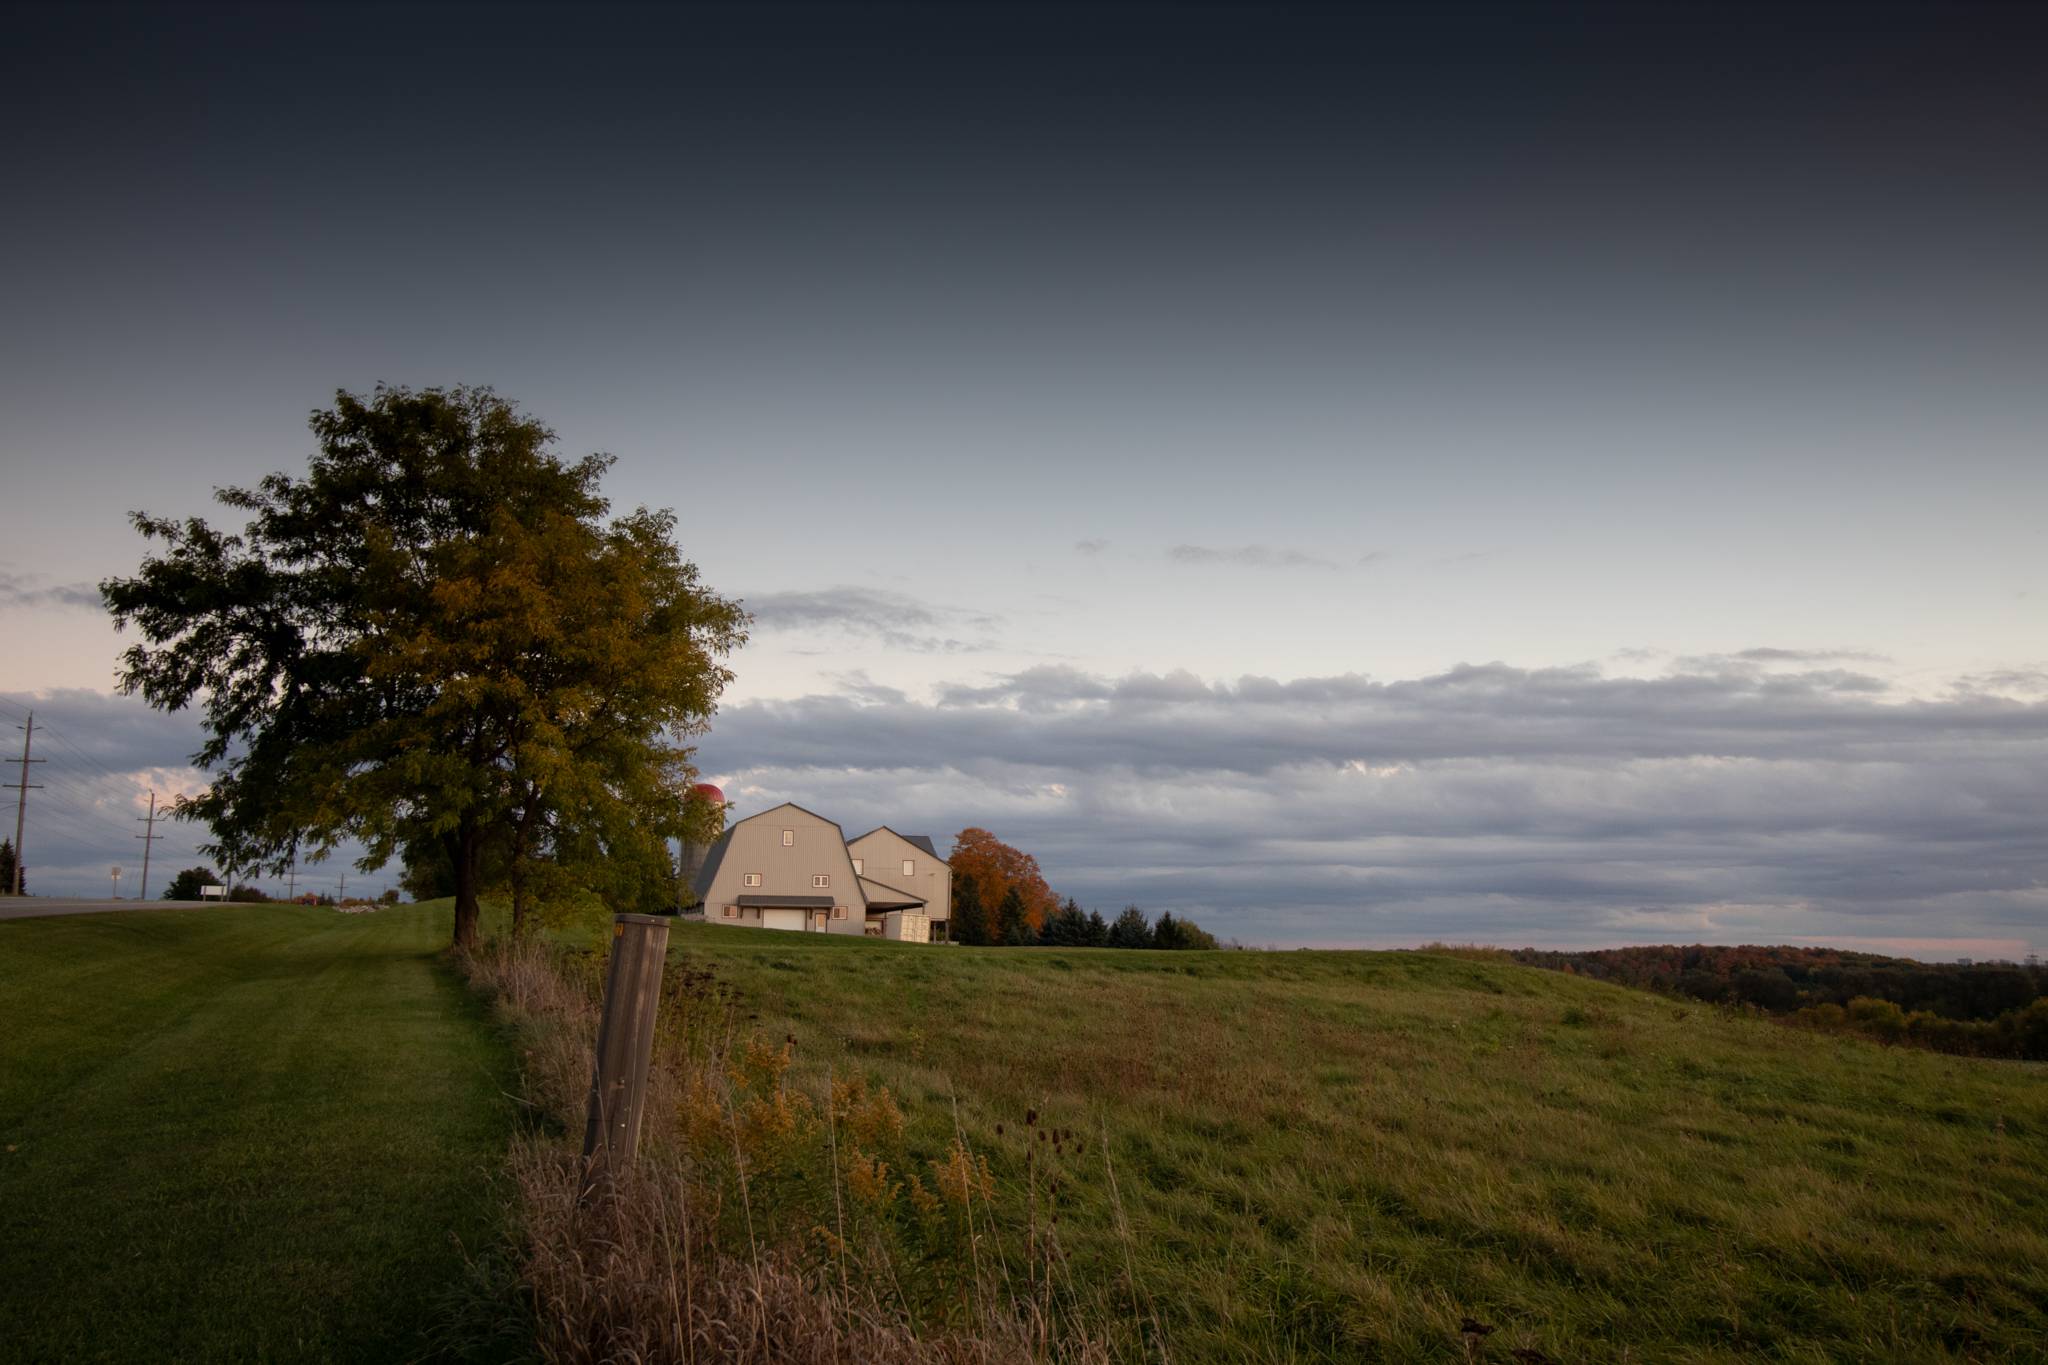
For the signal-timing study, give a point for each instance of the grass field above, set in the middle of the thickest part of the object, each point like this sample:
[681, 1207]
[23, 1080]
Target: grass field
[242, 1133]
[260, 1133]
[1343, 1156]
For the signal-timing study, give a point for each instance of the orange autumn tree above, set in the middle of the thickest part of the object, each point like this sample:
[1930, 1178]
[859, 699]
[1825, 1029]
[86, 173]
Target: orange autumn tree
[994, 867]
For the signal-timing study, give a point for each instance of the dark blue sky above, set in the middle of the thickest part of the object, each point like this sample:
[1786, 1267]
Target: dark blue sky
[1007, 358]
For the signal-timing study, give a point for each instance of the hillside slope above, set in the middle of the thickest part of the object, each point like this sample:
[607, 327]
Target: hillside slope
[1340, 1156]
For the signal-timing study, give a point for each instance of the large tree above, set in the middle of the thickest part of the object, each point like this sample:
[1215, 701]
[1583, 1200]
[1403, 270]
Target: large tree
[995, 868]
[438, 640]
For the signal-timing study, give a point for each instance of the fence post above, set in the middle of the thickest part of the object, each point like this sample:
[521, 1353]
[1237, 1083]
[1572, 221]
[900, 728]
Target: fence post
[625, 1045]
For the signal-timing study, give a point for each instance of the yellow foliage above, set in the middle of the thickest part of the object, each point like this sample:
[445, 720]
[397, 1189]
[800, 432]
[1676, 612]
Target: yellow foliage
[926, 1204]
[872, 1119]
[868, 1178]
[963, 1175]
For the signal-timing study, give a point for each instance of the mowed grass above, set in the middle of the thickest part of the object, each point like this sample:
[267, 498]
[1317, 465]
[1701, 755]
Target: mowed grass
[242, 1133]
[1347, 1156]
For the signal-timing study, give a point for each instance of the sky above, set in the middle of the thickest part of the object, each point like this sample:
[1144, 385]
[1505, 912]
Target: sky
[1357, 476]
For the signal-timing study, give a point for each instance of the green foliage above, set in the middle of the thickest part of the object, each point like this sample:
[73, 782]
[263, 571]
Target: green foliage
[7, 861]
[1013, 926]
[1130, 929]
[185, 886]
[1065, 927]
[1098, 930]
[1180, 933]
[438, 636]
[970, 918]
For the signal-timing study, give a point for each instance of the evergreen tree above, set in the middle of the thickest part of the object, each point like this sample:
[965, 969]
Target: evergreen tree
[1180, 933]
[1013, 924]
[1065, 927]
[7, 870]
[1131, 929]
[1098, 930]
[970, 919]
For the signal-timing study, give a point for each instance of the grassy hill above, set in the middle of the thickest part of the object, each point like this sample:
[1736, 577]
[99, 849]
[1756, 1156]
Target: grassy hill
[1340, 1156]
[261, 1132]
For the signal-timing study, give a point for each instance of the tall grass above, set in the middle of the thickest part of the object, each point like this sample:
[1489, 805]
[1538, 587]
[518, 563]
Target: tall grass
[762, 1222]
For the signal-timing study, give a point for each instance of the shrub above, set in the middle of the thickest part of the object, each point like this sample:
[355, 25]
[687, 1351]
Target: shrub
[1881, 1019]
[186, 885]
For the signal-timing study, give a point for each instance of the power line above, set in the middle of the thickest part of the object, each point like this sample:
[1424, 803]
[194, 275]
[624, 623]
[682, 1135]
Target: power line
[147, 839]
[28, 735]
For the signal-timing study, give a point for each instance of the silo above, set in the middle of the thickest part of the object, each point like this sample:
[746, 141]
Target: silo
[690, 858]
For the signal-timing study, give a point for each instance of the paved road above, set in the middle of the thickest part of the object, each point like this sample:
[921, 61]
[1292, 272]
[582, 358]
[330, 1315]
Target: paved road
[36, 907]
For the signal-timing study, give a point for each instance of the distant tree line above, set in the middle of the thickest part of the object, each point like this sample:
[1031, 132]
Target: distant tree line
[1067, 926]
[1991, 1009]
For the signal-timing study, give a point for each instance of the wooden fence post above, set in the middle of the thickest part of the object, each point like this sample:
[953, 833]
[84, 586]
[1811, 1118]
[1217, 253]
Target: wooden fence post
[625, 1045]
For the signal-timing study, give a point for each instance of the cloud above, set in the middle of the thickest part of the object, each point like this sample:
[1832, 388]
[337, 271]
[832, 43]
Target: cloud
[1765, 654]
[1488, 801]
[892, 619]
[103, 756]
[1249, 556]
[1091, 547]
[34, 590]
[2006, 682]
[857, 684]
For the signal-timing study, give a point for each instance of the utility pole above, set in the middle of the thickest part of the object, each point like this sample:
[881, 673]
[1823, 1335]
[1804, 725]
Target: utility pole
[28, 737]
[292, 882]
[148, 839]
[342, 894]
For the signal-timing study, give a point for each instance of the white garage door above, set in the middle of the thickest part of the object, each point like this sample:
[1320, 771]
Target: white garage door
[782, 919]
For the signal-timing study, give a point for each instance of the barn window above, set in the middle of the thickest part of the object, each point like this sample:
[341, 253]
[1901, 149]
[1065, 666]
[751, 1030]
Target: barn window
[856, 867]
[753, 879]
[909, 867]
[789, 838]
[732, 912]
[821, 880]
[838, 912]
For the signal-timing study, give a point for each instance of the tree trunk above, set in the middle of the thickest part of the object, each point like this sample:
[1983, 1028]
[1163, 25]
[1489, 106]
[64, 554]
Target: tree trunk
[464, 849]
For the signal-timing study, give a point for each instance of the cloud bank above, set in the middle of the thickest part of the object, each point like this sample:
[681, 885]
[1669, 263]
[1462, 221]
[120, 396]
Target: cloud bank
[1487, 802]
[1562, 806]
